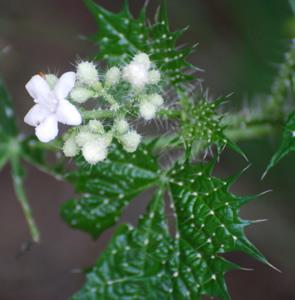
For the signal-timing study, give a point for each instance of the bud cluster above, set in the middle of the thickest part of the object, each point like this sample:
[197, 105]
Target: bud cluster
[128, 92]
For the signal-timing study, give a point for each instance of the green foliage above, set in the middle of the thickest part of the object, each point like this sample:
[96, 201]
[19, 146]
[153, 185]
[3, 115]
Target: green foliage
[120, 36]
[287, 143]
[108, 187]
[147, 263]
[200, 123]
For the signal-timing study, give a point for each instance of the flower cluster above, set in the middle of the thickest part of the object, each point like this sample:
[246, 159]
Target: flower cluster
[123, 93]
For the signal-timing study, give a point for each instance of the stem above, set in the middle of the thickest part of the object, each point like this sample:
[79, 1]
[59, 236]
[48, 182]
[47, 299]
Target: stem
[21, 196]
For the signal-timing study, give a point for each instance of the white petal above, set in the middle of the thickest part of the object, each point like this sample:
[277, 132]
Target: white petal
[48, 129]
[38, 88]
[67, 113]
[36, 115]
[64, 85]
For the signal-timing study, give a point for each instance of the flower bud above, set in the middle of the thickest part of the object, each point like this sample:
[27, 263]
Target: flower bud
[87, 73]
[95, 151]
[156, 99]
[85, 136]
[147, 110]
[96, 126]
[121, 126]
[154, 76]
[80, 94]
[51, 79]
[130, 141]
[136, 74]
[143, 59]
[70, 147]
[113, 76]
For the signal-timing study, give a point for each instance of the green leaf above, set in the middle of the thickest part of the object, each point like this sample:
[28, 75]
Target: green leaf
[135, 263]
[287, 143]
[207, 223]
[201, 124]
[147, 263]
[108, 187]
[8, 128]
[120, 36]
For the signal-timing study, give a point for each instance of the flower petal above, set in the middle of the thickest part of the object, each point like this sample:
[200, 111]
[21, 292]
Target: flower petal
[64, 85]
[36, 115]
[47, 130]
[67, 113]
[38, 88]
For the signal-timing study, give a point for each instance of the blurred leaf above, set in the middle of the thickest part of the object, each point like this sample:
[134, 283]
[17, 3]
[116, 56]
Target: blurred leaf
[120, 36]
[287, 143]
[108, 187]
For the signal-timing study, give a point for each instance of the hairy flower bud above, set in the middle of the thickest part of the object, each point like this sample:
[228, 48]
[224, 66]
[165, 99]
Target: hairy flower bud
[130, 141]
[154, 76]
[113, 76]
[143, 59]
[95, 151]
[136, 74]
[70, 147]
[51, 80]
[96, 126]
[147, 110]
[81, 94]
[156, 99]
[87, 73]
[121, 126]
[85, 136]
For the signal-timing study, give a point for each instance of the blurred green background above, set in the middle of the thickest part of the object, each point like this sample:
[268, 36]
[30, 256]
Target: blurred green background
[241, 44]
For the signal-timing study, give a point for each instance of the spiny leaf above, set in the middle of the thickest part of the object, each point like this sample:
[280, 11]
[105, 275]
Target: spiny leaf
[120, 36]
[207, 223]
[201, 124]
[108, 187]
[135, 263]
[287, 143]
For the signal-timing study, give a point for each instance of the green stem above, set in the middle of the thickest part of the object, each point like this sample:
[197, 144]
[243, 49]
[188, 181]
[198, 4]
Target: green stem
[21, 196]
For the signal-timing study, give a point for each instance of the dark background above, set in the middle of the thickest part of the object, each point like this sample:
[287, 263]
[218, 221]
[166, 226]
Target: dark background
[241, 45]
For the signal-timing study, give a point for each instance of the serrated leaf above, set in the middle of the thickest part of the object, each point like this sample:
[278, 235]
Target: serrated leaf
[108, 187]
[135, 263]
[120, 36]
[201, 124]
[8, 128]
[207, 224]
[287, 143]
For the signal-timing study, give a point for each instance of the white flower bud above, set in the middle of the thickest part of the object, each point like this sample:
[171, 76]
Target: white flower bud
[154, 76]
[80, 94]
[70, 147]
[147, 110]
[137, 74]
[87, 73]
[115, 107]
[113, 76]
[130, 141]
[121, 126]
[95, 151]
[143, 59]
[108, 137]
[96, 126]
[51, 80]
[85, 136]
[156, 99]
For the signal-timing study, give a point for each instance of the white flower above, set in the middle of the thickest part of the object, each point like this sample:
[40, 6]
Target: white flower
[51, 106]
